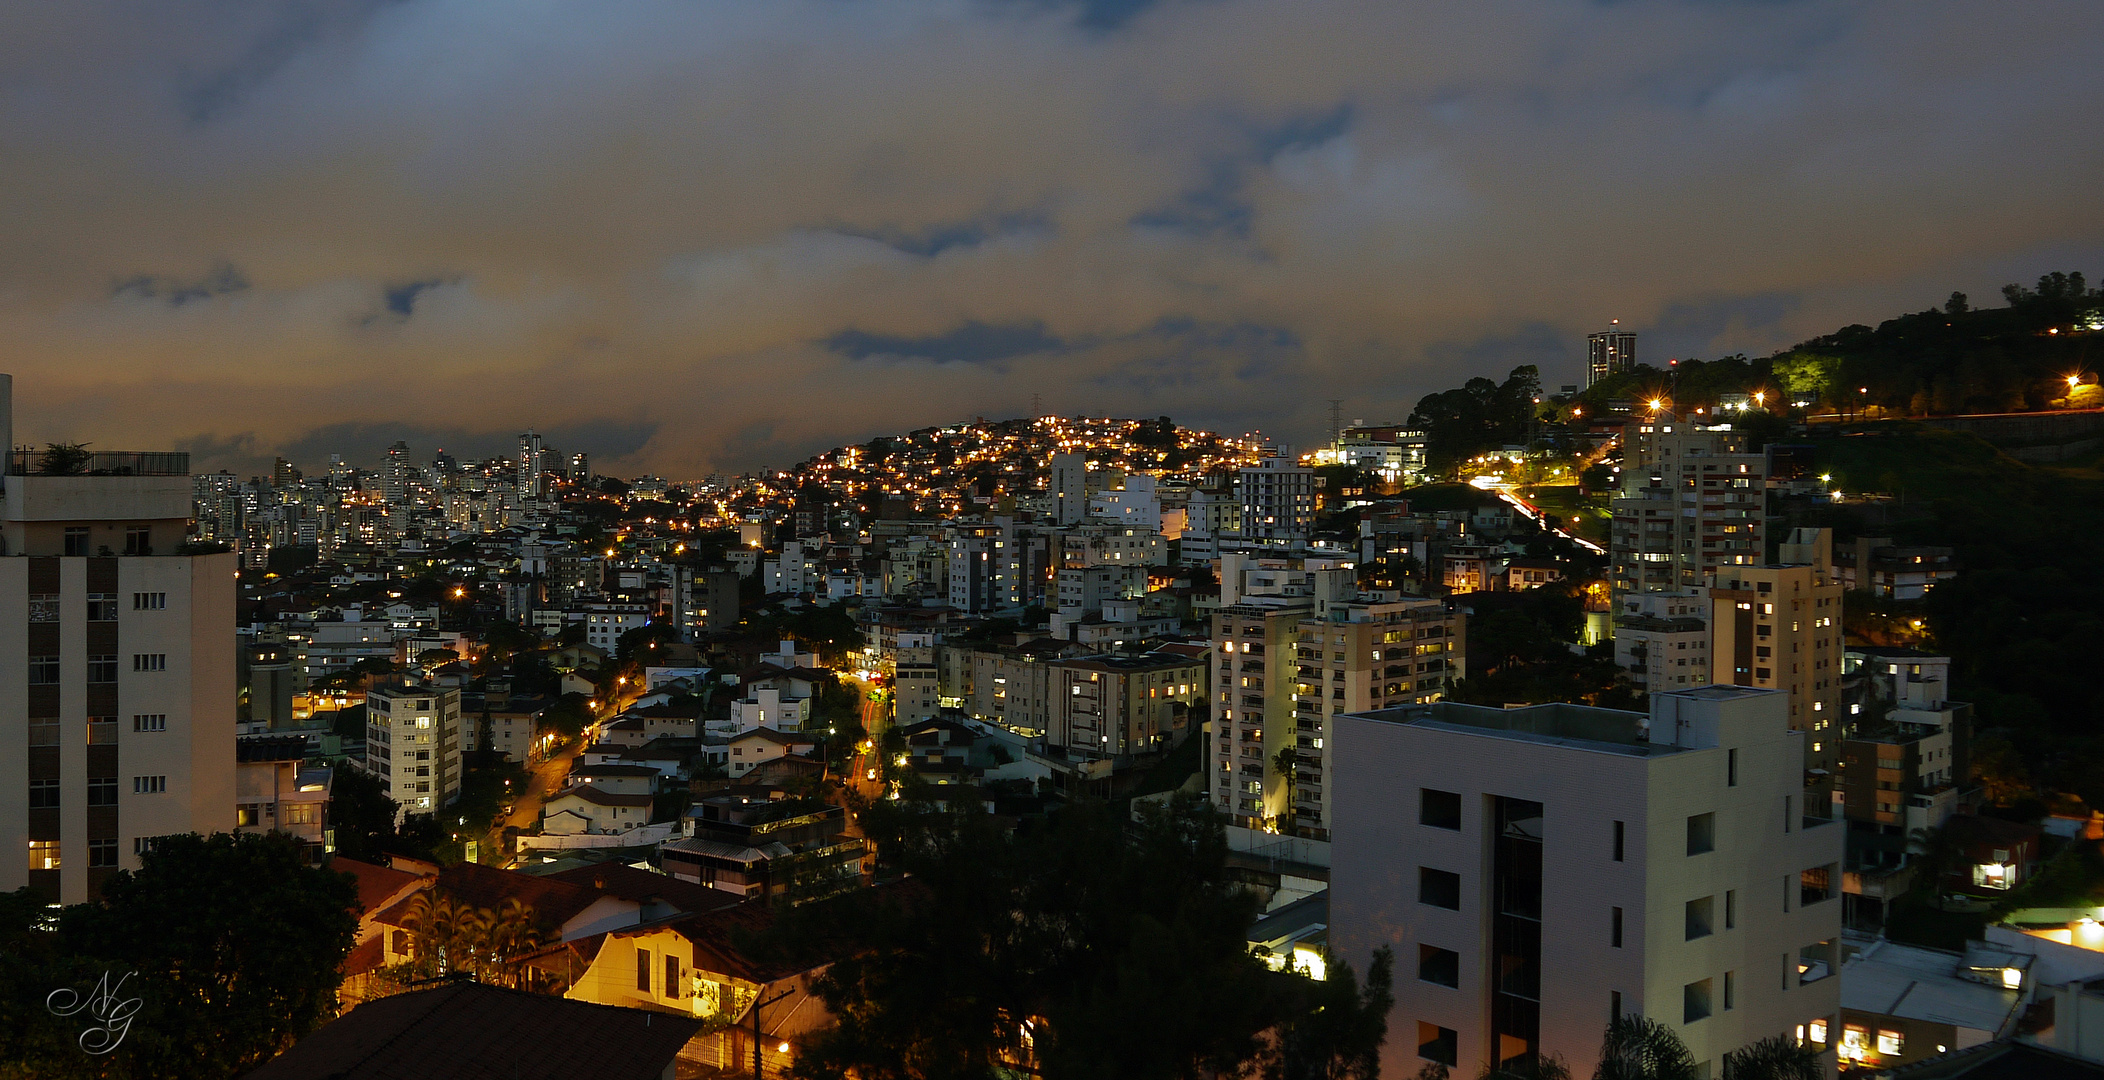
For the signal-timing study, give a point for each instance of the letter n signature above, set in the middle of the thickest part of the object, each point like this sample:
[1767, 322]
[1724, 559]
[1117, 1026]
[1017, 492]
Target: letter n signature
[112, 1015]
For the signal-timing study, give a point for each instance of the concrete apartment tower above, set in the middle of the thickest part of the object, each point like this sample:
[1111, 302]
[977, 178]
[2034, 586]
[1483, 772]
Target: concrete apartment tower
[1778, 626]
[1070, 496]
[1278, 502]
[117, 666]
[1609, 352]
[533, 467]
[1693, 500]
[1296, 647]
[1539, 871]
[413, 744]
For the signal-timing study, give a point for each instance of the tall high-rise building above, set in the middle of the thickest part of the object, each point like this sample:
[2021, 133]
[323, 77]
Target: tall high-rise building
[1693, 500]
[117, 666]
[1542, 870]
[1609, 352]
[1779, 626]
[1296, 647]
[1070, 497]
[533, 467]
[413, 744]
[1278, 502]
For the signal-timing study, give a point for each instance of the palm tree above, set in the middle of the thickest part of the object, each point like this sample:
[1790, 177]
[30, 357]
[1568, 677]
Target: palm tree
[1533, 1067]
[511, 931]
[433, 923]
[1640, 1048]
[1777, 1057]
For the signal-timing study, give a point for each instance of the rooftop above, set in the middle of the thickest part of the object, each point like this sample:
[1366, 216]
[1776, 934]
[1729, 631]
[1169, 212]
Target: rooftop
[1915, 983]
[469, 1031]
[1580, 727]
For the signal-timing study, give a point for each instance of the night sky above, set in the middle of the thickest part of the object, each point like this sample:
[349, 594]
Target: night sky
[712, 234]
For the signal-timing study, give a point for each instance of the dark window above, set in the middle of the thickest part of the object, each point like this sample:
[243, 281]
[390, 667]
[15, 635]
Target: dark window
[149, 785]
[102, 853]
[1731, 909]
[43, 794]
[1440, 966]
[1695, 1001]
[1438, 888]
[1728, 987]
[672, 976]
[1438, 1044]
[1702, 834]
[1440, 809]
[1700, 914]
[138, 540]
[76, 541]
[102, 669]
[43, 671]
[149, 662]
[102, 791]
[1815, 885]
[1731, 768]
[1619, 830]
[643, 970]
[149, 601]
[102, 607]
[1614, 928]
[150, 722]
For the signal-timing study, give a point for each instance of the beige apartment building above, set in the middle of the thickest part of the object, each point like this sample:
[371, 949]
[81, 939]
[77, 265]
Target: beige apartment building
[117, 665]
[1692, 502]
[1778, 627]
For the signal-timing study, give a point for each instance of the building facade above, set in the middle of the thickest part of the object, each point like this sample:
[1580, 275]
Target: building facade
[117, 666]
[1692, 501]
[1779, 626]
[1546, 869]
[413, 744]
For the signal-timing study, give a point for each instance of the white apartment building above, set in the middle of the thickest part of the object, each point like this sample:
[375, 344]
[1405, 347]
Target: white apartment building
[1662, 638]
[605, 623]
[1278, 501]
[117, 667]
[768, 707]
[413, 744]
[1692, 501]
[1539, 871]
[1135, 503]
[1070, 500]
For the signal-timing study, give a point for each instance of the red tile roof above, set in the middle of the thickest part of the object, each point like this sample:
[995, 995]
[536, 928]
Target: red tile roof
[556, 902]
[468, 1031]
[377, 885]
[630, 883]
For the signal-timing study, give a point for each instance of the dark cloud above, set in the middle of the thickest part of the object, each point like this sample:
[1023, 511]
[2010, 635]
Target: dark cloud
[970, 343]
[401, 299]
[702, 236]
[223, 279]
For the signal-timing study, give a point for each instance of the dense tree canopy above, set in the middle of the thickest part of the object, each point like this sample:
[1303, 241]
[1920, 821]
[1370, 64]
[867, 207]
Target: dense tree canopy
[1479, 416]
[1054, 939]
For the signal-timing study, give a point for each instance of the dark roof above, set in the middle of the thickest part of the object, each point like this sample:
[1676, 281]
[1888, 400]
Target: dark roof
[270, 748]
[631, 883]
[2002, 1060]
[376, 884]
[611, 769]
[482, 886]
[785, 738]
[468, 1031]
[597, 797]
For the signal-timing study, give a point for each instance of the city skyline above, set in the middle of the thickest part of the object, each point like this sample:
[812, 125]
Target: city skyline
[690, 240]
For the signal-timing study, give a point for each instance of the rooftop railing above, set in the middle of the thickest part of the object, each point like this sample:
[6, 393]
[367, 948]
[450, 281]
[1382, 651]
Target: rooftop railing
[24, 461]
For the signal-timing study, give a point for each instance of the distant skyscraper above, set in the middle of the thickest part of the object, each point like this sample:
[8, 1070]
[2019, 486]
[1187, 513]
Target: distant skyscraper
[532, 467]
[1070, 497]
[1609, 352]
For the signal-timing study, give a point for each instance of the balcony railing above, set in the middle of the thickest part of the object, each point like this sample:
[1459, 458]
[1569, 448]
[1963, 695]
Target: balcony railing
[23, 461]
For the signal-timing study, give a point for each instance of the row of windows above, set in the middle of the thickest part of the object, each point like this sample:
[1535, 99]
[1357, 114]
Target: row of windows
[45, 670]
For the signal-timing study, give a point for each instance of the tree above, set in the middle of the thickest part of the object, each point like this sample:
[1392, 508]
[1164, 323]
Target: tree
[1777, 1057]
[231, 975]
[1640, 1048]
[1807, 376]
[1058, 935]
[1529, 1067]
[1338, 1034]
[64, 459]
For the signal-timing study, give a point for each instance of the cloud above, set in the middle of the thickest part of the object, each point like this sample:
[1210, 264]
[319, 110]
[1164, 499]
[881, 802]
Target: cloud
[696, 237]
[971, 343]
